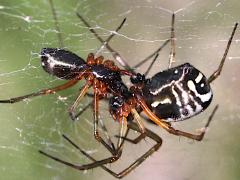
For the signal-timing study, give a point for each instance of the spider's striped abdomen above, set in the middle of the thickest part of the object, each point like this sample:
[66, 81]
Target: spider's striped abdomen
[178, 93]
[61, 63]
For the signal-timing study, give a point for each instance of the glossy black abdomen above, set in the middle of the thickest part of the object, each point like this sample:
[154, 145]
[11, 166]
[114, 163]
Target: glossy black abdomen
[178, 93]
[61, 63]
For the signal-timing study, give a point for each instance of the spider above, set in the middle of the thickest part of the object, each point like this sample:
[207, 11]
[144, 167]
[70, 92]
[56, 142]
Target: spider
[175, 94]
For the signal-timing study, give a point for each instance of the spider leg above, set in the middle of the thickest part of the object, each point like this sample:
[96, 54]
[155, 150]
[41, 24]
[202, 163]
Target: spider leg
[136, 163]
[73, 116]
[155, 53]
[151, 65]
[110, 37]
[88, 105]
[170, 129]
[114, 53]
[141, 128]
[141, 159]
[173, 43]
[218, 71]
[83, 110]
[152, 55]
[42, 92]
[104, 128]
[72, 109]
[123, 132]
[56, 23]
[111, 148]
[197, 137]
[132, 126]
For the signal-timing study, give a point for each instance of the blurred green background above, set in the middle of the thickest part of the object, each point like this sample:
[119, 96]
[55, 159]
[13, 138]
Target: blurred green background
[202, 31]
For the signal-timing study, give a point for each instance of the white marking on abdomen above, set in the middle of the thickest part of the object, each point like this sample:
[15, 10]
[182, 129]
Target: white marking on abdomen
[204, 97]
[165, 101]
[199, 77]
[156, 91]
[52, 62]
[178, 102]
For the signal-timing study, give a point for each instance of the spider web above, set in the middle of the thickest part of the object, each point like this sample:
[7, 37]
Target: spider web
[202, 30]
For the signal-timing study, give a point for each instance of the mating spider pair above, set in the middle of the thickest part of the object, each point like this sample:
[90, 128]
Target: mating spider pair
[175, 94]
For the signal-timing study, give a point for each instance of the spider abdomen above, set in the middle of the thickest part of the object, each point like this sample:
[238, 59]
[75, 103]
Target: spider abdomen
[178, 93]
[61, 63]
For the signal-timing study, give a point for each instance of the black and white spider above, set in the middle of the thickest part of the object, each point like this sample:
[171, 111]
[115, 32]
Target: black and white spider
[174, 94]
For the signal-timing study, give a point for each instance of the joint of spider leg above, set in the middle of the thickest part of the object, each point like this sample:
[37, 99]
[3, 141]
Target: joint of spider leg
[136, 91]
[115, 157]
[97, 136]
[90, 59]
[11, 101]
[111, 65]
[108, 63]
[49, 91]
[72, 116]
[199, 137]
